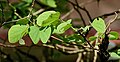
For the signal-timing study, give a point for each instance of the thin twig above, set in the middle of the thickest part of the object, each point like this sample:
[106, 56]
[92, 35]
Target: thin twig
[108, 14]
[111, 21]
[64, 47]
[56, 38]
[13, 9]
[30, 13]
[82, 9]
[76, 8]
[81, 4]
[85, 39]
[67, 14]
[37, 12]
[17, 14]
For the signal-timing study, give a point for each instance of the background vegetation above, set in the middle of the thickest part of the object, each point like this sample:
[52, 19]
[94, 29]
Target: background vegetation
[43, 31]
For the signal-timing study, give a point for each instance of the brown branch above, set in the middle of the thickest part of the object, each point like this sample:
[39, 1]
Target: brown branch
[56, 38]
[61, 48]
[80, 15]
[77, 5]
[81, 4]
[10, 46]
[64, 47]
[108, 14]
[111, 21]
[76, 8]
[85, 39]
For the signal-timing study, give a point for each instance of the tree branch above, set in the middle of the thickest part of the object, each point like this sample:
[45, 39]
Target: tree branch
[108, 14]
[67, 14]
[77, 5]
[85, 39]
[13, 9]
[37, 12]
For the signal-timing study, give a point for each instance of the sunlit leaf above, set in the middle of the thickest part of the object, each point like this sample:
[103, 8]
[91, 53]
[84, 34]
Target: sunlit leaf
[52, 18]
[34, 34]
[99, 25]
[113, 35]
[45, 34]
[63, 27]
[16, 32]
[47, 18]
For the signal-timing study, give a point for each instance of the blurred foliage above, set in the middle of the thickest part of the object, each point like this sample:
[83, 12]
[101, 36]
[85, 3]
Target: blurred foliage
[18, 16]
[23, 7]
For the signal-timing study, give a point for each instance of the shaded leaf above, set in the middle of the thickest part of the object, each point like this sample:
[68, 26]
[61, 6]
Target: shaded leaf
[92, 38]
[114, 55]
[16, 32]
[22, 21]
[34, 34]
[118, 51]
[50, 3]
[75, 38]
[28, 1]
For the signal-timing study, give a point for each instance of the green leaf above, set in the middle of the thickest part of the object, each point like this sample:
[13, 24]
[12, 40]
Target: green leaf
[52, 18]
[75, 38]
[92, 38]
[21, 42]
[99, 25]
[113, 35]
[50, 3]
[44, 16]
[63, 27]
[118, 51]
[47, 18]
[34, 34]
[55, 23]
[113, 54]
[16, 32]
[22, 21]
[28, 1]
[45, 34]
